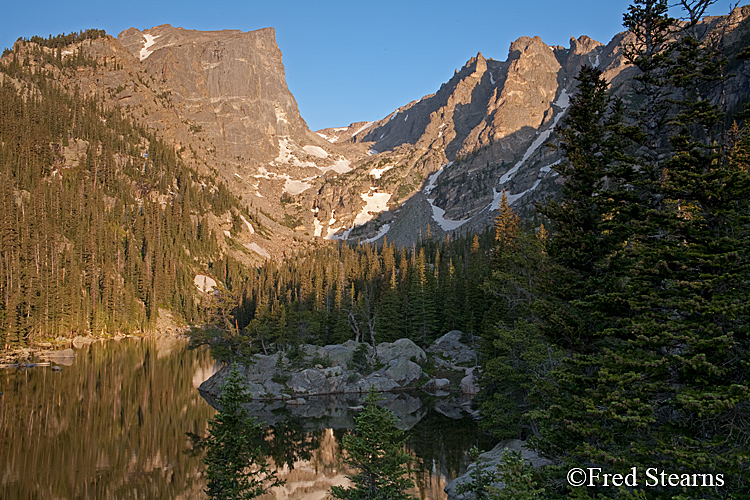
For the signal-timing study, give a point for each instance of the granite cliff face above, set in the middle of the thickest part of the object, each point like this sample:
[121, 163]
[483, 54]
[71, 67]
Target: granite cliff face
[444, 160]
[229, 88]
[230, 84]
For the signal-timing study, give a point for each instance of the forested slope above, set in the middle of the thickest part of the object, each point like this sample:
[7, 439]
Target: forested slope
[101, 224]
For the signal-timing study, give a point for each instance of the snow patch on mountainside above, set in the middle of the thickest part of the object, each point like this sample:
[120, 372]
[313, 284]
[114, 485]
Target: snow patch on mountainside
[293, 186]
[563, 102]
[205, 284]
[316, 151]
[149, 41]
[381, 232]
[363, 127]
[512, 198]
[340, 166]
[247, 224]
[286, 155]
[316, 223]
[254, 247]
[374, 204]
[438, 214]
[378, 172]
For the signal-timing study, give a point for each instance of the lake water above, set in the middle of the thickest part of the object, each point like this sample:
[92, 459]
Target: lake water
[120, 421]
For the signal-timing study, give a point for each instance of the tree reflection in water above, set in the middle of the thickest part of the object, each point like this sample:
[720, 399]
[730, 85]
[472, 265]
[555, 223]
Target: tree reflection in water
[111, 425]
[116, 424]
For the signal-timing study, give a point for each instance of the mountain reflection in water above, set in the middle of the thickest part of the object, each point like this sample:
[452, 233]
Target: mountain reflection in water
[117, 423]
[304, 441]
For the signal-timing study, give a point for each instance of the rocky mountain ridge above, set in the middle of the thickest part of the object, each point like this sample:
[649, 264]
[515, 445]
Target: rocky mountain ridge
[446, 158]
[435, 165]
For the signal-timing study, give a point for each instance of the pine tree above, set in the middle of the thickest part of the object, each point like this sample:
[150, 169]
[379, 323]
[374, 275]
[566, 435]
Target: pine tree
[513, 353]
[236, 468]
[376, 449]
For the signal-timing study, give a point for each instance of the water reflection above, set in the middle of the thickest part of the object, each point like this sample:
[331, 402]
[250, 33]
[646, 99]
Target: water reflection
[116, 424]
[304, 440]
[112, 425]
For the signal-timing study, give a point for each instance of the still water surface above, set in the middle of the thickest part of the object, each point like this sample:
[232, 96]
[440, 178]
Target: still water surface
[119, 422]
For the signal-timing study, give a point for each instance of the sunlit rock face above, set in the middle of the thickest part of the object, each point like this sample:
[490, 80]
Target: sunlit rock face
[231, 84]
[488, 129]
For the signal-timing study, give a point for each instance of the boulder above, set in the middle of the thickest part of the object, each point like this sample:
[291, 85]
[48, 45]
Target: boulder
[65, 353]
[376, 380]
[215, 383]
[402, 348]
[403, 371]
[341, 354]
[490, 461]
[450, 347]
[435, 384]
[469, 383]
[80, 341]
[308, 381]
[441, 383]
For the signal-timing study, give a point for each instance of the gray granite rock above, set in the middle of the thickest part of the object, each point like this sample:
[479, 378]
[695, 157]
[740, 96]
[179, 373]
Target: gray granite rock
[490, 460]
[402, 348]
[469, 383]
[403, 371]
[449, 347]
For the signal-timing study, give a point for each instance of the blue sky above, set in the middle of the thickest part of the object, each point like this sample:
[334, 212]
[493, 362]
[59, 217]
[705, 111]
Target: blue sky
[347, 61]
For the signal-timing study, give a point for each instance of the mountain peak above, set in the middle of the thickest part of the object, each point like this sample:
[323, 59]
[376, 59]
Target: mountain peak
[583, 45]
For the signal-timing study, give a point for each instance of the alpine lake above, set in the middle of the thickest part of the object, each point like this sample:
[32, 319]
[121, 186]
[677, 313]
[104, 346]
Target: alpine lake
[123, 420]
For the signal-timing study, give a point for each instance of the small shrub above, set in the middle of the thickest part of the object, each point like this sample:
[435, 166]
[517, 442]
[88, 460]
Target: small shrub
[359, 362]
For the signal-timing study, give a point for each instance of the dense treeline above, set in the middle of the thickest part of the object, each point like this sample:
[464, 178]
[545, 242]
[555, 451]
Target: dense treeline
[626, 346]
[364, 292]
[96, 245]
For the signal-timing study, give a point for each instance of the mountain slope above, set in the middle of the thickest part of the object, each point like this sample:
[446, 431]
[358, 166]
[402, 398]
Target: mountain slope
[451, 154]
[104, 229]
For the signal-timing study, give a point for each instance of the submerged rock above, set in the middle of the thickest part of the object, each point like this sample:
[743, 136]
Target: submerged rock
[65, 353]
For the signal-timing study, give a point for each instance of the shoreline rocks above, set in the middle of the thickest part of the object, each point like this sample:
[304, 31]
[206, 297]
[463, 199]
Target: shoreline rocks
[490, 460]
[353, 368]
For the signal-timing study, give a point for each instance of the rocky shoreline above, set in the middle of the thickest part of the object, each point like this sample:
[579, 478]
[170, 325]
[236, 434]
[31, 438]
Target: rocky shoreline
[446, 366]
[62, 350]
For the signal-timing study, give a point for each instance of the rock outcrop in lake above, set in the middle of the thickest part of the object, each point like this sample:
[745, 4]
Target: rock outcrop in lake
[353, 368]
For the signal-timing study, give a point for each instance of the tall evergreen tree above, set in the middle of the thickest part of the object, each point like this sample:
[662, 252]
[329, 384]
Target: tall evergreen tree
[236, 468]
[376, 450]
